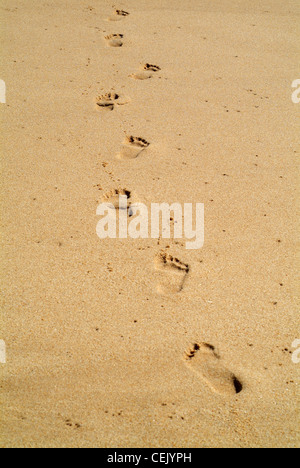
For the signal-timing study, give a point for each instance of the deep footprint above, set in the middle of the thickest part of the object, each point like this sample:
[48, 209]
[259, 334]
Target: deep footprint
[132, 147]
[115, 40]
[173, 273]
[147, 72]
[205, 362]
[110, 100]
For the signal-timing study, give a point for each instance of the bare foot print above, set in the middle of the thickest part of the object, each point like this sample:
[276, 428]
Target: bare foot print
[118, 15]
[115, 40]
[147, 72]
[109, 100]
[205, 362]
[132, 147]
[173, 273]
[113, 198]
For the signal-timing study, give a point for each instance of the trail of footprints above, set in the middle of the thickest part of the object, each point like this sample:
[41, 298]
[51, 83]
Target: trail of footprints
[172, 273]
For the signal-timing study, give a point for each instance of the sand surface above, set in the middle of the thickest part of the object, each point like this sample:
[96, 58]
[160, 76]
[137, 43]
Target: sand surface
[99, 352]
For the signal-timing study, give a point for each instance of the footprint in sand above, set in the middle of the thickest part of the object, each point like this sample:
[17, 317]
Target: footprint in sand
[118, 15]
[173, 273]
[146, 72]
[115, 40]
[113, 198]
[120, 199]
[132, 147]
[109, 100]
[205, 362]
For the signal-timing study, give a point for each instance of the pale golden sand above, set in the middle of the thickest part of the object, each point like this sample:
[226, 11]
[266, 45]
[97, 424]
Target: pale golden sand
[113, 343]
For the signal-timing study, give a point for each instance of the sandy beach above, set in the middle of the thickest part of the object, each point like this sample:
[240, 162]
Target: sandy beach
[143, 342]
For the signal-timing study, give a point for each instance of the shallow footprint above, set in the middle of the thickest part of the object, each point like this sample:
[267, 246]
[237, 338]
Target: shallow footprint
[173, 273]
[118, 15]
[206, 363]
[115, 40]
[141, 75]
[147, 72]
[132, 147]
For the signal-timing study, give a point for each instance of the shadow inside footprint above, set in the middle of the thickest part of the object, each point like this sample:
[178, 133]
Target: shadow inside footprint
[205, 362]
[132, 147]
[154, 68]
[109, 100]
[115, 40]
[173, 273]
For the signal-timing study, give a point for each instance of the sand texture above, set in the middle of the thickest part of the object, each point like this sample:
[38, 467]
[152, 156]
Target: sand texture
[142, 342]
